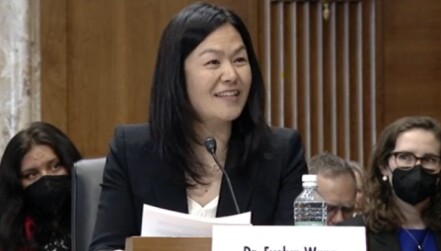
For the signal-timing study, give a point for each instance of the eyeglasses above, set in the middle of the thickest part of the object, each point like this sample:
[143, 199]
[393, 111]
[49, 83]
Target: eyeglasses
[346, 211]
[407, 160]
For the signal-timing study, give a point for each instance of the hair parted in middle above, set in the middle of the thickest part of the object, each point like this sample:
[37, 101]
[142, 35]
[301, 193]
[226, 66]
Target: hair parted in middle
[382, 212]
[172, 116]
[12, 197]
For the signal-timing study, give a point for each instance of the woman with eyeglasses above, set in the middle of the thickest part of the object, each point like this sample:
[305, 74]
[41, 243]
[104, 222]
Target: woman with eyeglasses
[403, 195]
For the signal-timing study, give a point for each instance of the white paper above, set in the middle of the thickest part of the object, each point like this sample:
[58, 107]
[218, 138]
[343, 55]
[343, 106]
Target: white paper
[158, 222]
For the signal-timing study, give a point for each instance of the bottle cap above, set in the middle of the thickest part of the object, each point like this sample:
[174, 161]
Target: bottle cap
[309, 178]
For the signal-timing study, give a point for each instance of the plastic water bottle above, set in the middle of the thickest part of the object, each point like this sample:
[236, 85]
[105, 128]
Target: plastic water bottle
[310, 208]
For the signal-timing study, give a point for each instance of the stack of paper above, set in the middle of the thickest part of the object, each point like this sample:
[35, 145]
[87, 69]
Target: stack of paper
[158, 222]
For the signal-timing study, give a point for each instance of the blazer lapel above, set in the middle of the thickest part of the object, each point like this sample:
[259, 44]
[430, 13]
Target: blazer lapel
[168, 186]
[387, 241]
[242, 184]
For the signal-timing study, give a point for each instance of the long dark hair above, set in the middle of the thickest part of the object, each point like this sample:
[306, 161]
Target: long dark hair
[172, 117]
[12, 202]
[382, 212]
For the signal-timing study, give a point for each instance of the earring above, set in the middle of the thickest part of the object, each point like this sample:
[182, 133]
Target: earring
[384, 178]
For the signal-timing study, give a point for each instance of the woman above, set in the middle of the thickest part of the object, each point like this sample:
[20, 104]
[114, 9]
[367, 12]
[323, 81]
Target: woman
[35, 189]
[207, 83]
[403, 192]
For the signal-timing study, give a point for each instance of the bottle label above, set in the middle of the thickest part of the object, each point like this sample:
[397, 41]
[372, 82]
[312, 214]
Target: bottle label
[310, 213]
[310, 223]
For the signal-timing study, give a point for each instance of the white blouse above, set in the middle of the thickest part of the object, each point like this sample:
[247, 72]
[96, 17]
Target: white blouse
[208, 211]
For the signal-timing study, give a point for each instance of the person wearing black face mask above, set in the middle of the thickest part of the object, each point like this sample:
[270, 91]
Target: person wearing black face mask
[47, 196]
[414, 182]
[403, 191]
[35, 190]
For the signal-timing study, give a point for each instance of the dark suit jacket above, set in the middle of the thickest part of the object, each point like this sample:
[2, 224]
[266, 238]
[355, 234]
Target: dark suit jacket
[383, 241]
[135, 175]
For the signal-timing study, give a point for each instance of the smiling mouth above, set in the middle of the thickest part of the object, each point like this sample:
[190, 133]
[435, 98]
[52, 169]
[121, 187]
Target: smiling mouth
[234, 93]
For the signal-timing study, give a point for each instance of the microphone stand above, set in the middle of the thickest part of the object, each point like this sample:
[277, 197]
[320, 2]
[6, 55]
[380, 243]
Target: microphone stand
[210, 145]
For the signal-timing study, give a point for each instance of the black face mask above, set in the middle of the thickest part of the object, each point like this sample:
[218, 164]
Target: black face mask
[414, 185]
[47, 196]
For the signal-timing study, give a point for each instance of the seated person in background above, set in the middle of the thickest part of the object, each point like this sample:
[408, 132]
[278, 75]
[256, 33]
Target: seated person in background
[207, 83]
[336, 184]
[35, 190]
[359, 178]
[403, 190]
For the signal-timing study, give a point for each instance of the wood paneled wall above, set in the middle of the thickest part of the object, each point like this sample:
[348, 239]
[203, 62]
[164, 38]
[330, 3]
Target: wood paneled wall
[97, 62]
[322, 73]
[411, 43]
[338, 81]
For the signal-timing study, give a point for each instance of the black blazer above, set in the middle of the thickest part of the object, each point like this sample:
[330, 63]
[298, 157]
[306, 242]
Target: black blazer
[135, 175]
[383, 241]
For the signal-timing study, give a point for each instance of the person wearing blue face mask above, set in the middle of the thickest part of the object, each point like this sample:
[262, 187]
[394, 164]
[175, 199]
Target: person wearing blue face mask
[35, 190]
[403, 191]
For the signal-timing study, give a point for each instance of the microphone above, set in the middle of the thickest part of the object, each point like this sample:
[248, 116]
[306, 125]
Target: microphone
[210, 145]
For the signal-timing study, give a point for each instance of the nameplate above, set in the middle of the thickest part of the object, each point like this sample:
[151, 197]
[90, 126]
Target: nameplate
[288, 238]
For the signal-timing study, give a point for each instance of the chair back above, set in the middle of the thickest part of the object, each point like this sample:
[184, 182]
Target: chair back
[87, 176]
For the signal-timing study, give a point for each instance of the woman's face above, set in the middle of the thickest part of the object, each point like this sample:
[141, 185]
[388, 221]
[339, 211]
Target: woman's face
[420, 143]
[218, 76]
[40, 161]
[415, 147]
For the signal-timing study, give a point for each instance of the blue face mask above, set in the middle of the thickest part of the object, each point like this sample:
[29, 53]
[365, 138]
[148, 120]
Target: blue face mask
[47, 196]
[414, 185]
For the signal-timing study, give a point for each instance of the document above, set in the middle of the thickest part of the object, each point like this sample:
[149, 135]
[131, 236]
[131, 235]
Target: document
[158, 222]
